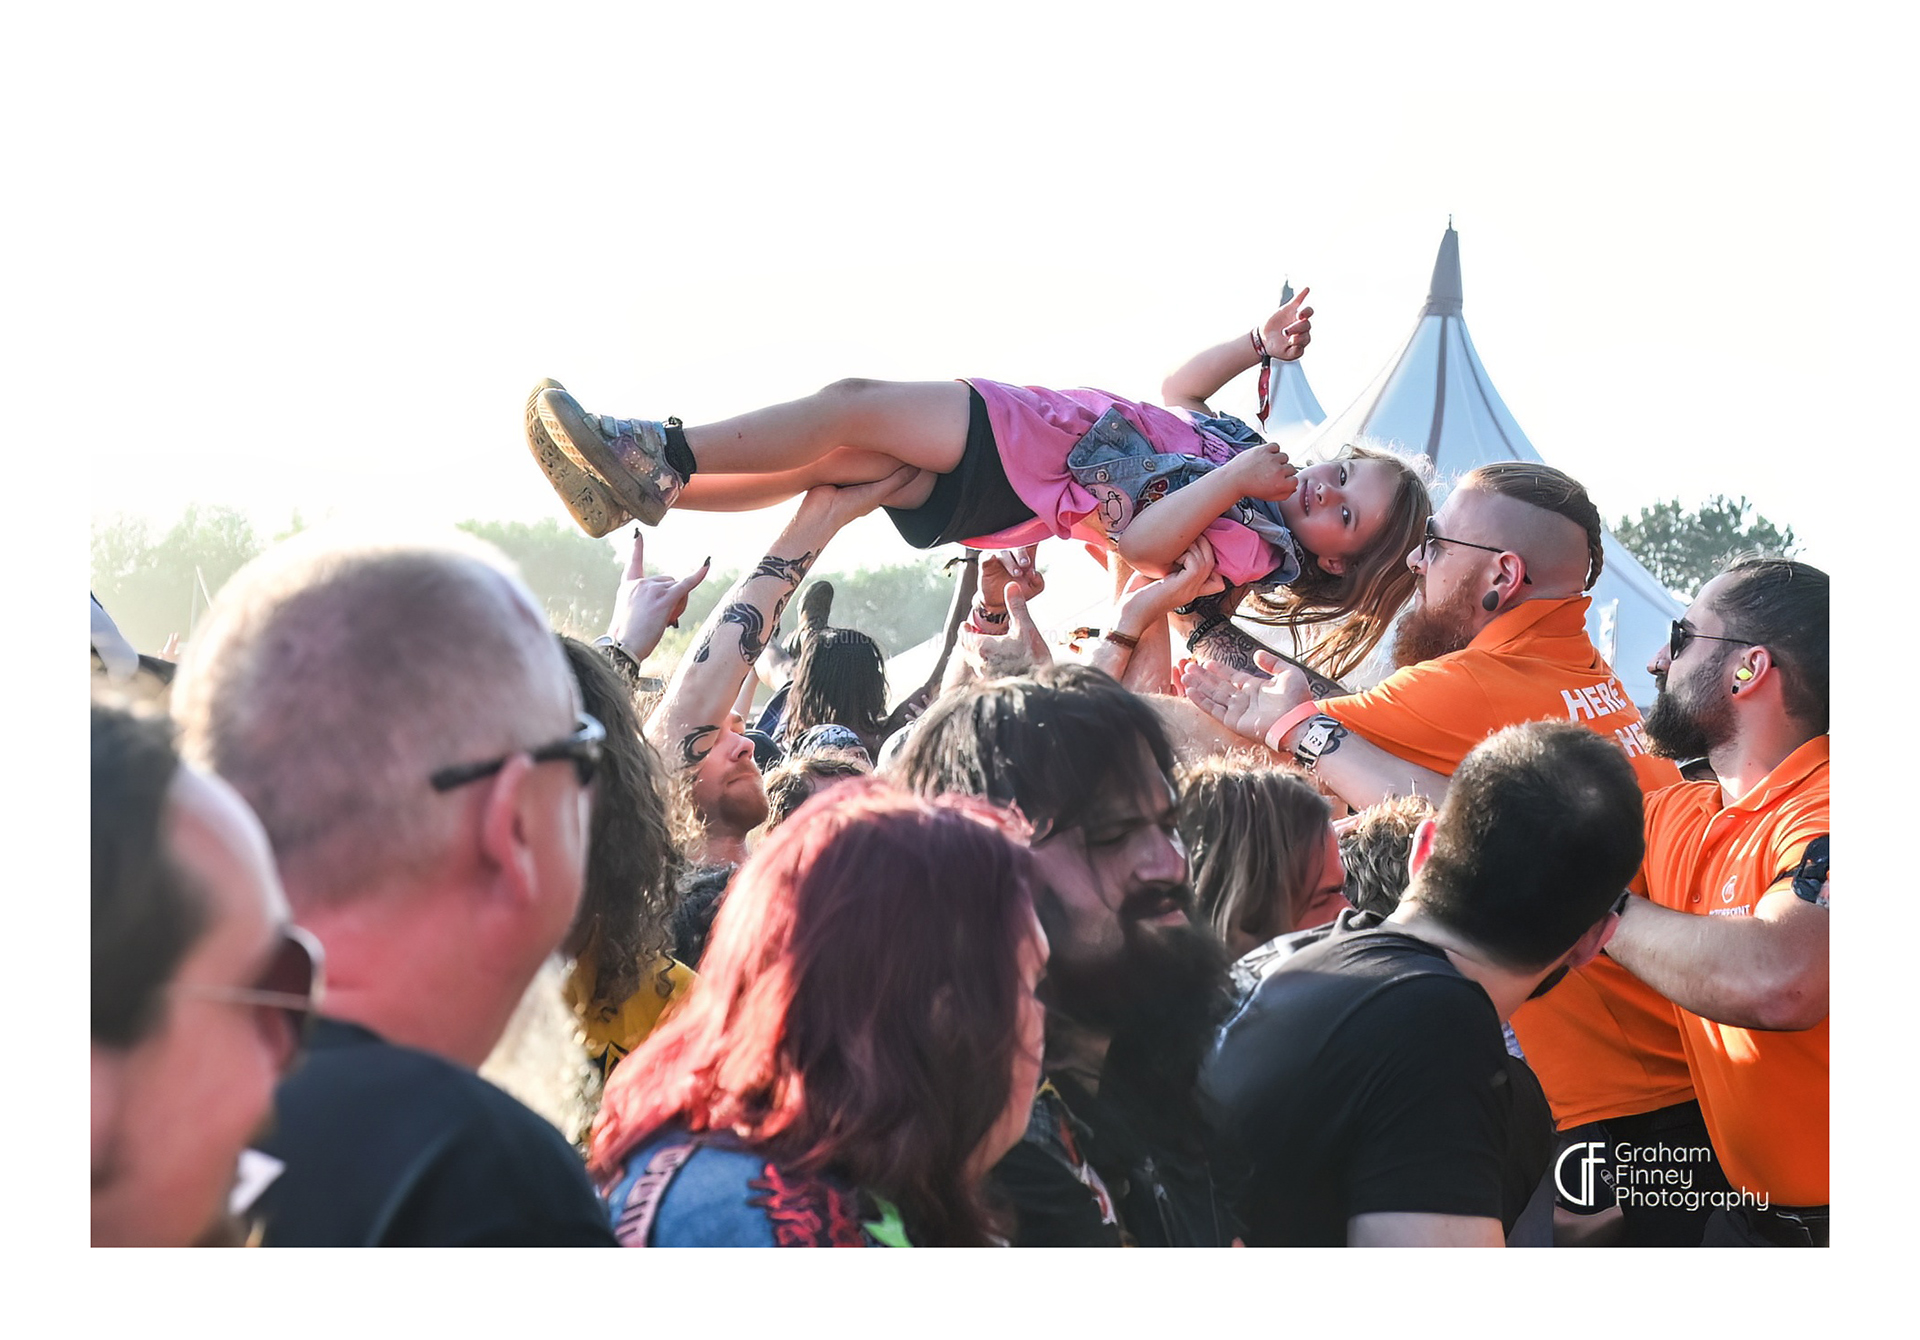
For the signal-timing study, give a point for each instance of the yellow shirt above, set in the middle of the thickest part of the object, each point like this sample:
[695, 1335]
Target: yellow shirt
[609, 1032]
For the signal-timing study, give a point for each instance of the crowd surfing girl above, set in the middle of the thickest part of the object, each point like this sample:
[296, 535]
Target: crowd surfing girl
[1000, 466]
[851, 1062]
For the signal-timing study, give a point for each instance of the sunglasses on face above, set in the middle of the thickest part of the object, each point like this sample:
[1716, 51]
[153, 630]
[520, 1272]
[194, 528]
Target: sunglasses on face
[582, 749]
[1678, 635]
[285, 999]
[1434, 538]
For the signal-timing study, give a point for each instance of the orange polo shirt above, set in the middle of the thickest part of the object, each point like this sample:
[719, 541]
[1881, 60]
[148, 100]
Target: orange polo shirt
[1604, 1043]
[1764, 1094]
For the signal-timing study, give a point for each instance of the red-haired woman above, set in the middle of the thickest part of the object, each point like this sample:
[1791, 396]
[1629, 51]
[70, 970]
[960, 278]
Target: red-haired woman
[862, 1046]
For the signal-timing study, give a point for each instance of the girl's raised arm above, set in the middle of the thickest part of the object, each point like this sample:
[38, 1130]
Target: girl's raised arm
[1284, 335]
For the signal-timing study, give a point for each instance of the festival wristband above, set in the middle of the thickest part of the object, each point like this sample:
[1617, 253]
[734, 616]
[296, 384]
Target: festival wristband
[1279, 730]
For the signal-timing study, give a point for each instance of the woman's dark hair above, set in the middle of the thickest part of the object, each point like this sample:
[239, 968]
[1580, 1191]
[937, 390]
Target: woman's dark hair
[857, 1009]
[633, 856]
[1256, 837]
[146, 914]
[1049, 743]
[839, 679]
[1365, 598]
[1782, 605]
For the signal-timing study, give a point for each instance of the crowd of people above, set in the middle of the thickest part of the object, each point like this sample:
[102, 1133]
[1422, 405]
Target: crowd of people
[1079, 942]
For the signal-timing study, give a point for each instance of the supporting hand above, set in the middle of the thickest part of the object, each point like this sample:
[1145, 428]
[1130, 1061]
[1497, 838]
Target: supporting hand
[1244, 704]
[1020, 649]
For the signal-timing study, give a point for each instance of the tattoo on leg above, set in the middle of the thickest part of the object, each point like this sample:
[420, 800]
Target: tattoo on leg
[695, 744]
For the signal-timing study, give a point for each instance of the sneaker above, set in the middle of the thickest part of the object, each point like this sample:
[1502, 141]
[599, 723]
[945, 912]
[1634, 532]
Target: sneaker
[816, 603]
[590, 503]
[629, 456]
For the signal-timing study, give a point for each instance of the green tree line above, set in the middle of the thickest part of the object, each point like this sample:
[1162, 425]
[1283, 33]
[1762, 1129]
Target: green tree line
[156, 582]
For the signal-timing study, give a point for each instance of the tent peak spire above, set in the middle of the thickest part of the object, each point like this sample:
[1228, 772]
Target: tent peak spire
[1444, 295]
[1286, 290]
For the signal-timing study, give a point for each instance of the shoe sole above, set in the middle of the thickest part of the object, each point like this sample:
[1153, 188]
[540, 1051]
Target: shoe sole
[587, 500]
[581, 439]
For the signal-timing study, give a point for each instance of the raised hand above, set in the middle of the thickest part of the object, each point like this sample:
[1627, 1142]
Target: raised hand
[645, 607]
[1288, 331]
[1020, 649]
[1150, 599]
[1004, 568]
[1244, 704]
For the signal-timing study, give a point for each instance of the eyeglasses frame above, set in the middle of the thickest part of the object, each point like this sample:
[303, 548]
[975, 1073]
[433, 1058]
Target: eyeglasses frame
[1431, 537]
[1677, 631]
[306, 1007]
[582, 749]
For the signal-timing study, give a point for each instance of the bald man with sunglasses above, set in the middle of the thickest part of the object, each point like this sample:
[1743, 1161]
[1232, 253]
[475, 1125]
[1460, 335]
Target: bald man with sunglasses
[403, 721]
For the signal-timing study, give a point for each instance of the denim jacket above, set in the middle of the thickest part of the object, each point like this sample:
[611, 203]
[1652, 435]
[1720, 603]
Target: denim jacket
[1116, 463]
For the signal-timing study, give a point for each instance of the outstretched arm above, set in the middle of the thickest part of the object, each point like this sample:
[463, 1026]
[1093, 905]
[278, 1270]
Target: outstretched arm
[1766, 971]
[1285, 336]
[709, 677]
[1358, 771]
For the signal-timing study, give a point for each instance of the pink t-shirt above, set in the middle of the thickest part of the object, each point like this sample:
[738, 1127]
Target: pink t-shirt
[1036, 428]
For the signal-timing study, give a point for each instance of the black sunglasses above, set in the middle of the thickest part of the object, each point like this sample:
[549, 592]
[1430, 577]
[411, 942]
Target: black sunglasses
[582, 749]
[1434, 537]
[286, 998]
[1678, 635]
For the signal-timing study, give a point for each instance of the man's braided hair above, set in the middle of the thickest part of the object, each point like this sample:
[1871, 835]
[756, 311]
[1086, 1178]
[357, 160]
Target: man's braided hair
[1550, 490]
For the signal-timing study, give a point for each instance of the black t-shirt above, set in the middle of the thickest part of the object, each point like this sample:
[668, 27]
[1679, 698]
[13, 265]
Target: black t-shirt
[1365, 1074]
[387, 1146]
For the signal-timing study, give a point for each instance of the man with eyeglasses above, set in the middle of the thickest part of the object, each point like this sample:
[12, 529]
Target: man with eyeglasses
[201, 989]
[1496, 635]
[1736, 871]
[403, 721]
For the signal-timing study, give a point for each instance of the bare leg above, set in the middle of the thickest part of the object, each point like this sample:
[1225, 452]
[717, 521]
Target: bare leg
[749, 493]
[914, 423]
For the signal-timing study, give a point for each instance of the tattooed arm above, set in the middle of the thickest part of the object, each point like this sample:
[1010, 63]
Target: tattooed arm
[1211, 635]
[701, 696]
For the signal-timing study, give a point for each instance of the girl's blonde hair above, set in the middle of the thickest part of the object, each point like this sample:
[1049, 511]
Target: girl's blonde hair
[1366, 597]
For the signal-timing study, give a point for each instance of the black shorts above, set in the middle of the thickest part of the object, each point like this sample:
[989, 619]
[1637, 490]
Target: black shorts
[972, 499]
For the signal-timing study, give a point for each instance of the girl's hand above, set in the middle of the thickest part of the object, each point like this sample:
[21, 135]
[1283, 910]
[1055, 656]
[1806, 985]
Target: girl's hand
[1264, 472]
[1289, 330]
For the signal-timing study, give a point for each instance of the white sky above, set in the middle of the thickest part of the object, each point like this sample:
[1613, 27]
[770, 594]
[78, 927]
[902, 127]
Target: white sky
[276, 258]
[335, 260]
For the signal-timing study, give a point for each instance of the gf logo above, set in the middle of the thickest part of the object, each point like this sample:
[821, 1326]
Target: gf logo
[1592, 1157]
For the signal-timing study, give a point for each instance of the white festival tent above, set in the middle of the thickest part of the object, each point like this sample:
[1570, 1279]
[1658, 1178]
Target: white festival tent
[1435, 397]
